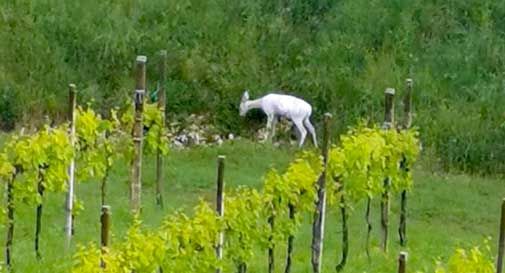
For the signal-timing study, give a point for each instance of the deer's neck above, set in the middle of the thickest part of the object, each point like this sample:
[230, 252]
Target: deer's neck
[253, 104]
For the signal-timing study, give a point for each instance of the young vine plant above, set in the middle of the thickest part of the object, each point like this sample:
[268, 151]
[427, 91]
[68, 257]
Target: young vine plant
[187, 243]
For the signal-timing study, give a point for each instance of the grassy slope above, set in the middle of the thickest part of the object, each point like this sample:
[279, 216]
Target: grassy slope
[445, 211]
[338, 55]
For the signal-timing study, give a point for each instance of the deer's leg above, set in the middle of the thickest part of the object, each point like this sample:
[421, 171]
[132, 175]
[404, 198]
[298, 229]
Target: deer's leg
[274, 123]
[301, 129]
[270, 119]
[311, 130]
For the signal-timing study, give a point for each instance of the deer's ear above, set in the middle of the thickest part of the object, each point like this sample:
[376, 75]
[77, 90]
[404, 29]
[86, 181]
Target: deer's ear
[245, 96]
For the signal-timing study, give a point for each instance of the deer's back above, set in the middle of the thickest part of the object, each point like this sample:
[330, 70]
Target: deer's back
[286, 105]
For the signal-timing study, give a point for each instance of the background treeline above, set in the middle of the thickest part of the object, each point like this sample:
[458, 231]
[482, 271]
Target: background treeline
[339, 55]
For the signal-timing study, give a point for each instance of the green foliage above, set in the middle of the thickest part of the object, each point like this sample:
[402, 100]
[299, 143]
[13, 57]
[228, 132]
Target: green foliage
[182, 243]
[90, 134]
[366, 156]
[155, 132]
[141, 251]
[245, 225]
[43, 156]
[8, 112]
[6, 168]
[186, 244]
[296, 188]
[466, 204]
[190, 242]
[99, 143]
[338, 55]
[156, 137]
[472, 260]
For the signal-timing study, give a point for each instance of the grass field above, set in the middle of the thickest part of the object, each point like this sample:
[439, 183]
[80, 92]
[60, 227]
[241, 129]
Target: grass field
[446, 211]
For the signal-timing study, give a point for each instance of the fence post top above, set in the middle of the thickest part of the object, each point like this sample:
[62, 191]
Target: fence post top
[221, 157]
[71, 86]
[409, 81]
[390, 91]
[404, 255]
[328, 115]
[141, 59]
[105, 207]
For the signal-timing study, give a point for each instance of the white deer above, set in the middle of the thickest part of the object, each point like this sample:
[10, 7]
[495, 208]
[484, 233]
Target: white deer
[277, 105]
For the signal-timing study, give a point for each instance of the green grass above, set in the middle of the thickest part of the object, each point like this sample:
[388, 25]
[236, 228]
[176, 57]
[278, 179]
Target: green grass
[446, 211]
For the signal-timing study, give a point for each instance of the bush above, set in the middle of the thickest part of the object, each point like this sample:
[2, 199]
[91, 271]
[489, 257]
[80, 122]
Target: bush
[8, 111]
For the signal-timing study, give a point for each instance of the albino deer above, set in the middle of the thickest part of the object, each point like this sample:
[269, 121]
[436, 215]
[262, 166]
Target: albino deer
[276, 105]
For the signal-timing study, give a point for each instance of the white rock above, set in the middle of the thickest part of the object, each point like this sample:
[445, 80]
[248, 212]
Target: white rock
[177, 144]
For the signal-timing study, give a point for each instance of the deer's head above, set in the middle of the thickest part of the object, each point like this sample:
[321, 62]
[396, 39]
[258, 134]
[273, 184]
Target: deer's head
[243, 105]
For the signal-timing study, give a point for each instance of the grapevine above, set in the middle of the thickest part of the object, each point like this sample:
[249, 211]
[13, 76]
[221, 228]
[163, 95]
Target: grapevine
[359, 164]
[153, 128]
[36, 163]
[187, 244]
[473, 260]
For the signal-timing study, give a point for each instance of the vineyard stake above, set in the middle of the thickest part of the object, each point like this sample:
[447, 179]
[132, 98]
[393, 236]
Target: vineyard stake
[501, 242]
[407, 121]
[242, 268]
[105, 222]
[220, 206]
[271, 248]
[369, 228]
[10, 222]
[291, 239]
[389, 114]
[388, 124]
[69, 204]
[407, 104]
[162, 107]
[137, 134]
[38, 223]
[345, 230]
[103, 186]
[319, 215]
[402, 262]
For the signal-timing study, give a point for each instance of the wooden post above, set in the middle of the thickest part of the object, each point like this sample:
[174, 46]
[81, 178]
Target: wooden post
[38, 223]
[407, 104]
[345, 230]
[369, 227]
[319, 215]
[105, 223]
[407, 121]
[162, 107]
[220, 206]
[242, 268]
[388, 124]
[389, 108]
[69, 204]
[10, 222]
[109, 150]
[291, 239]
[402, 228]
[137, 134]
[103, 186]
[402, 262]
[501, 242]
[271, 248]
